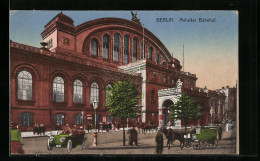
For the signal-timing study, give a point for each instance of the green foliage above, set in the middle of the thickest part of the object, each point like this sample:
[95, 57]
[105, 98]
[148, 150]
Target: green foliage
[122, 100]
[185, 108]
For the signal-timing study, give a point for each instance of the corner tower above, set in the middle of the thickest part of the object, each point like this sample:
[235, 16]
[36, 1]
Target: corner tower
[59, 33]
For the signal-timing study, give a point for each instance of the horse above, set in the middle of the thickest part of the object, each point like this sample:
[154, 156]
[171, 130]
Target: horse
[173, 135]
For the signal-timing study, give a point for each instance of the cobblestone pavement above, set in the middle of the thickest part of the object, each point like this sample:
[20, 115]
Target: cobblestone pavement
[146, 145]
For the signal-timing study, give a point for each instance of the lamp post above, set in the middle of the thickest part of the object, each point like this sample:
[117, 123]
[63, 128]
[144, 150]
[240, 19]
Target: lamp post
[82, 116]
[95, 105]
[211, 112]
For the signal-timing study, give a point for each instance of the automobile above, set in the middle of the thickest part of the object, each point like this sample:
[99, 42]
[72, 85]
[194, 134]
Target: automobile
[67, 139]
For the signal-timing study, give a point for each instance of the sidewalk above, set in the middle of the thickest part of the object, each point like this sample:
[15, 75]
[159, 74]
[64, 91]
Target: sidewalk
[55, 132]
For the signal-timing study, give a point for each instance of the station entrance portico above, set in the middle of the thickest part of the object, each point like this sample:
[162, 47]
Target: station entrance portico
[166, 98]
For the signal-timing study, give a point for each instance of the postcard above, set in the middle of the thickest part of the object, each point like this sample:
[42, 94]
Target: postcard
[124, 82]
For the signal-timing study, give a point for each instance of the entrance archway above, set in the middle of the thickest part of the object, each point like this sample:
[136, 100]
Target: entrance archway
[165, 113]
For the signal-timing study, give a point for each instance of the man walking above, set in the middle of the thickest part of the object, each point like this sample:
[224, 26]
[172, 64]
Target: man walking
[159, 142]
[219, 132]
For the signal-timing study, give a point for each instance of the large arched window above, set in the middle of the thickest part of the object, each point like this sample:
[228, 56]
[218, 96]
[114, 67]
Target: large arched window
[150, 54]
[59, 119]
[24, 85]
[134, 50]
[116, 47]
[78, 119]
[107, 92]
[105, 52]
[126, 49]
[77, 91]
[94, 47]
[94, 93]
[157, 58]
[58, 89]
[26, 119]
[142, 50]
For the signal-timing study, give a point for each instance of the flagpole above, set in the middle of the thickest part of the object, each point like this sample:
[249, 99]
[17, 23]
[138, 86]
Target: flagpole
[143, 43]
[183, 57]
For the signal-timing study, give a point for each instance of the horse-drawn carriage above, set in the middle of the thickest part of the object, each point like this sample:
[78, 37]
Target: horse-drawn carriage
[69, 139]
[194, 137]
[206, 137]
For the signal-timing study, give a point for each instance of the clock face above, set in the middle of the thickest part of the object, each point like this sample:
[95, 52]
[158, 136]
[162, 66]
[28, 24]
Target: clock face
[173, 65]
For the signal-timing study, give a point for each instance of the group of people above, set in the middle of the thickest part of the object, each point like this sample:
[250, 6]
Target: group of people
[104, 126]
[39, 129]
[74, 131]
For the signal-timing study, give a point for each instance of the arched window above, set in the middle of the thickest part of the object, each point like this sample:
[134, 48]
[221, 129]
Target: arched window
[150, 54]
[24, 85]
[107, 92]
[26, 119]
[134, 50]
[77, 91]
[105, 52]
[59, 119]
[142, 50]
[157, 58]
[164, 64]
[116, 47]
[94, 94]
[58, 89]
[94, 47]
[126, 49]
[78, 119]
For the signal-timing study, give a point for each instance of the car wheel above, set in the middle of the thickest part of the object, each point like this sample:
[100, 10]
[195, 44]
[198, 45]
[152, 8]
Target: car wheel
[84, 144]
[69, 145]
[49, 145]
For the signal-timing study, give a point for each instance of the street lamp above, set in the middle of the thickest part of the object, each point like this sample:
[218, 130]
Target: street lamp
[82, 113]
[211, 112]
[95, 105]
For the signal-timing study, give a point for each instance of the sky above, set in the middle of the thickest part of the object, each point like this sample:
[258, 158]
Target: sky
[210, 48]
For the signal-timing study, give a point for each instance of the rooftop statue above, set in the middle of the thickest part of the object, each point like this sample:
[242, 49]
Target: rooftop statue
[134, 18]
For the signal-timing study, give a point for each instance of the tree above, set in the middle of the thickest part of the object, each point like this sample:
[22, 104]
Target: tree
[186, 108]
[122, 101]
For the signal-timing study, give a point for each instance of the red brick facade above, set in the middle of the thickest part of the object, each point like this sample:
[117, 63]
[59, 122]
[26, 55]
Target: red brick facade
[69, 57]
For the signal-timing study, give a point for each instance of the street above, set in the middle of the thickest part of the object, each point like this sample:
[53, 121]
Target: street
[146, 145]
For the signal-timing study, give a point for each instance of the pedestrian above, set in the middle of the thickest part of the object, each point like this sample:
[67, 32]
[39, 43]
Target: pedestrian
[130, 137]
[16, 139]
[219, 132]
[36, 129]
[112, 127]
[134, 136]
[159, 142]
[101, 126]
[88, 127]
[117, 126]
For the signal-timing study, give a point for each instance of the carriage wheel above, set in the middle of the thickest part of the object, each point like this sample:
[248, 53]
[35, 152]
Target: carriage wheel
[181, 145]
[196, 146]
[69, 146]
[203, 143]
[49, 145]
[84, 143]
[215, 143]
[187, 144]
